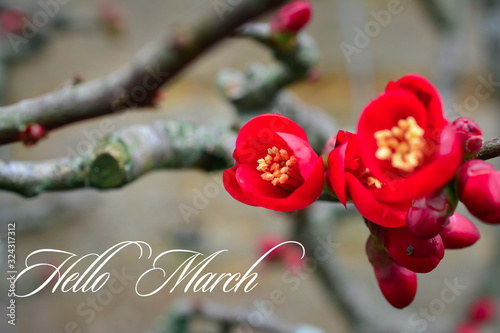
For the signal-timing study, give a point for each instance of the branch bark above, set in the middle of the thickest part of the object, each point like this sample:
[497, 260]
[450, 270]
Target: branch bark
[124, 156]
[135, 84]
[490, 149]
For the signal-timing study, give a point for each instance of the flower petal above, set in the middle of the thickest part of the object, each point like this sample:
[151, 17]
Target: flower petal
[381, 114]
[431, 176]
[262, 126]
[370, 208]
[302, 150]
[302, 197]
[428, 96]
[233, 188]
[336, 172]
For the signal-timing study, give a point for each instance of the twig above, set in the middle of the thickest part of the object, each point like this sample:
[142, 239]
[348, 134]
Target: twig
[136, 84]
[490, 149]
[254, 90]
[122, 157]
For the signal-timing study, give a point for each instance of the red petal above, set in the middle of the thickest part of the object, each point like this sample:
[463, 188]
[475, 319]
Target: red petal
[233, 188]
[431, 177]
[336, 172]
[302, 197]
[255, 147]
[250, 181]
[299, 147]
[262, 126]
[381, 114]
[428, 96]
[372, 209]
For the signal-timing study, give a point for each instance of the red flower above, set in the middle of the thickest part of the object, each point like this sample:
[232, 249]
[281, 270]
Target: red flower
[479, 189]
[406, 143]
[291, 17]
[276, 167]
[483, 309]
[350, 179]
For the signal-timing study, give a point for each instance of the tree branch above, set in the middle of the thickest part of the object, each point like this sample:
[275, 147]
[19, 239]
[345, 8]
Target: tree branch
[178, 318]
[255, 89]
[135, 84]
[490, 149]
[122, 157]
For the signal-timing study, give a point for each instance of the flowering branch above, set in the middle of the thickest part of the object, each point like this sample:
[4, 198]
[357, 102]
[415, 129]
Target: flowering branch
[134, 85]
[122, 157]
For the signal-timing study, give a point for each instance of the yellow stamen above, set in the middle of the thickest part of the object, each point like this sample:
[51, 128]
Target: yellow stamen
[280, 169]
[402, 145]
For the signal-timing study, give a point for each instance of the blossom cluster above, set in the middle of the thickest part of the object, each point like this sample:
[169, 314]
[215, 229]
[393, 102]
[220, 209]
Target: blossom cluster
[405, 170]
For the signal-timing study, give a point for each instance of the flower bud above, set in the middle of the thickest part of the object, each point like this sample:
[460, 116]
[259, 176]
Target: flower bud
[459, 233]
[398, 284]
[483, 309]
[478, 187]
[430, 214]
[32, 134]
[268, 242]
[471, 136]
[468, 328]
[291, 17]
[418, 255]
[11, 21]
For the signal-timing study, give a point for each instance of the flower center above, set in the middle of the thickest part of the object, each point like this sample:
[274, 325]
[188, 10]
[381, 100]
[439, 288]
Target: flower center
[402, 145]
[280, 169]
[367, 179]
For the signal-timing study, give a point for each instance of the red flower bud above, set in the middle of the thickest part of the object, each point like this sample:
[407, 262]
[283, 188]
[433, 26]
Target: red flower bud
[398, 284]
[32, 134]
[292, 257]
[291, 17]
[11, 21]
[418, 255]
[479, 189]
[459, 233]
[468, 328]
[483, 309]
[471, 136]
[428, 215]
[266, 243]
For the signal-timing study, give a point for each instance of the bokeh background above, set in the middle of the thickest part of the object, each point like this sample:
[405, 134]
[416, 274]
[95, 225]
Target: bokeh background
[457, 54]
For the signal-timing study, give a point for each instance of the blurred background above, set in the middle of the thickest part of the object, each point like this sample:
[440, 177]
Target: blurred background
[457, 52]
